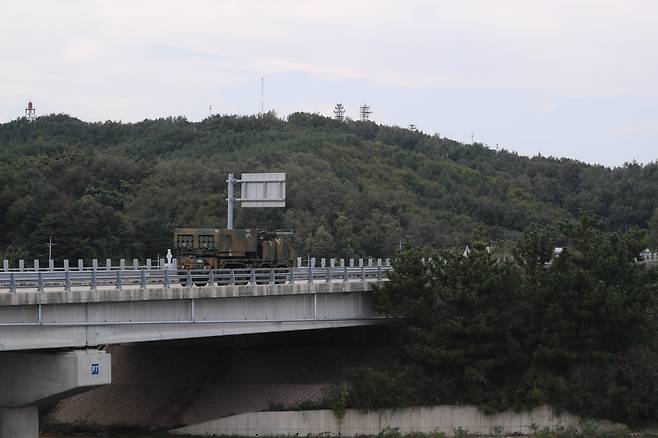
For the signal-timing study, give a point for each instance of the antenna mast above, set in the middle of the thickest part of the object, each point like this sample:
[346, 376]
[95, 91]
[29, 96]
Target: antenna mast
[262, 88]
[365, 112]
[30, 112]
[339, 111]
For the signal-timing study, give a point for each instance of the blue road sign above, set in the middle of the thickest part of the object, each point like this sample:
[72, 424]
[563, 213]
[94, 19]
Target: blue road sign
[95, 369]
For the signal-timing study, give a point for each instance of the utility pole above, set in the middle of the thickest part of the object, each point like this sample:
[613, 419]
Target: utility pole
[50, 245]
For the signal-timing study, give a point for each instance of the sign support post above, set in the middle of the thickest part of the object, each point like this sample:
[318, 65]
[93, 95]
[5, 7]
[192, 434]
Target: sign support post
[231, 201]
[257, 190]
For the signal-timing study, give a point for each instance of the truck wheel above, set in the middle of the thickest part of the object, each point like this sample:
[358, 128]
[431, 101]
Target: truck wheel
[182, 278]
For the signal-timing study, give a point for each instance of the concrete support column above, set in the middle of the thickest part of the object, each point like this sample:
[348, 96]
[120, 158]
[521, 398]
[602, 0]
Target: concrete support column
[19, 422]
[30, 379]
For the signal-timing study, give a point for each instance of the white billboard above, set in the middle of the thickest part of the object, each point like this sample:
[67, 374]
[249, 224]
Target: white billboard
[263, 190]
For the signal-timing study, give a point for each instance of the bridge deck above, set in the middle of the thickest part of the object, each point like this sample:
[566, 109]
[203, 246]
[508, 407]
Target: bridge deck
[178, 292]
[92, 317]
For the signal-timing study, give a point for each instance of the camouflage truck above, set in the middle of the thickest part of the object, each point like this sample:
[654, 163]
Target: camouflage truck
[211, 248]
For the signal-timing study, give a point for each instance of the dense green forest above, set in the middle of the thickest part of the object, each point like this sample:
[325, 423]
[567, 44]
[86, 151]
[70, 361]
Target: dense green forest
[578, 330]
[354, 188]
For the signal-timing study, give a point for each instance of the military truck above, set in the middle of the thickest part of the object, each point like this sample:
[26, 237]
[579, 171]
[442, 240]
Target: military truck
[212, 248]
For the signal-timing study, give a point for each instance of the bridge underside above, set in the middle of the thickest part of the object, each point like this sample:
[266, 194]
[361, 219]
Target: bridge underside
[102, 319]
[163, 385]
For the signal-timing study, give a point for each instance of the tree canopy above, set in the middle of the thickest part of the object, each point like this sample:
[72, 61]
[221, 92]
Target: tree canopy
[115, 189]
[517, 329]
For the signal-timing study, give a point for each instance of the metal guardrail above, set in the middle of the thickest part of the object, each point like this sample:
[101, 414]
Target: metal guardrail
[43, 280]
[135, 264]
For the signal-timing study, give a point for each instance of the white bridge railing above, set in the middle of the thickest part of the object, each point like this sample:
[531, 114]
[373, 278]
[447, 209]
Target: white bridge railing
[137, 276]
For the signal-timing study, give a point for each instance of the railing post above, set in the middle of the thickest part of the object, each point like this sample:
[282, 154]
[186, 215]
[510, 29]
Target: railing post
[108, 264]
[39, 281]
[166, 278]
[291, 273]
[93, 279]
[148, 264]
[67, 281]
[12, 282]
[119, 280]
[379, 272]
[310, 275]
[211, 278]
[363, 273]
[345, 274]
[122, 264]
[272, 276]
[323, 262]
[5, 265]
[51, 265]
[253, 277]
[81, 264]
[21, 265]
[36, 264]
[94, 264]
[299, 262]
[135, 264]
[161, 264]
[66, 264]
[189, 278]
[232, 277]
[142, 279]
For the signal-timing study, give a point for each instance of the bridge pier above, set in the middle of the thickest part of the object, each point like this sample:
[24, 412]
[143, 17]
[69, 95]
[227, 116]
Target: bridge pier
[29, 380]
[19, 422]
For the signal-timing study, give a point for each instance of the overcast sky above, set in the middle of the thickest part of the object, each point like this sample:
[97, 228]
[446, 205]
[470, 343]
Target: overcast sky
[564, 78]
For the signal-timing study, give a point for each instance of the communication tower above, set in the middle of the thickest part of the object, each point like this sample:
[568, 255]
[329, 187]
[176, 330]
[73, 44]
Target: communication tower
[339, 111]
[365, 112]
[30, 112]
[262, 92]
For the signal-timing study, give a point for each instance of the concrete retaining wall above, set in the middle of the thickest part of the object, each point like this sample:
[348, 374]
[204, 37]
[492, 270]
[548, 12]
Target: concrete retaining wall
[420, 419]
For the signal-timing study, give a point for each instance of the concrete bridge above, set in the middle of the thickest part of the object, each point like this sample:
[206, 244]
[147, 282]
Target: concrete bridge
[43, 312]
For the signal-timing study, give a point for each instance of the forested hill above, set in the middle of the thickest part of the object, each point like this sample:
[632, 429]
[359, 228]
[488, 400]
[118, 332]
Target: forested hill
[118, 189]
